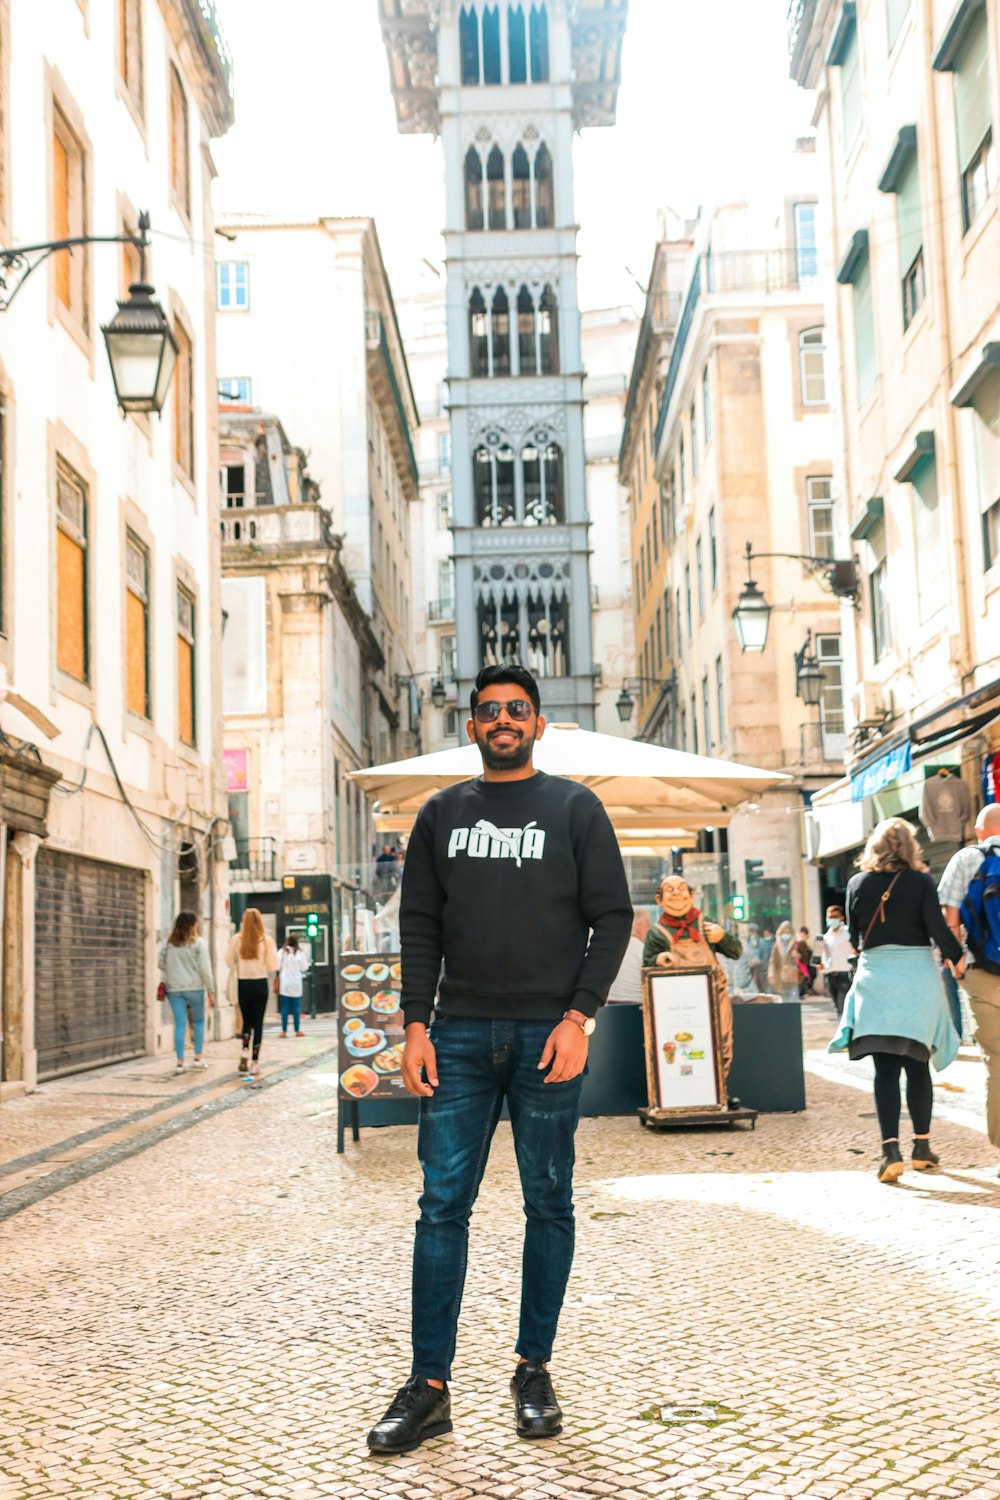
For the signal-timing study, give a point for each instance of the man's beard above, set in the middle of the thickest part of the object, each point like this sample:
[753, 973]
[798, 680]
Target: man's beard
[509, 758]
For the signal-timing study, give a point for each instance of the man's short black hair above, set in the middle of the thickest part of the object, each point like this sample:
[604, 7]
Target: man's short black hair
[516, 676]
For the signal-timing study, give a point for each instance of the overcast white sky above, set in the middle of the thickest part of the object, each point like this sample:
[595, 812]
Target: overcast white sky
[705, 108]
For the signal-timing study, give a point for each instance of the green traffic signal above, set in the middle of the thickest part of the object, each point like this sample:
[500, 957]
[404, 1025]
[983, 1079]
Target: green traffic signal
[739, 908]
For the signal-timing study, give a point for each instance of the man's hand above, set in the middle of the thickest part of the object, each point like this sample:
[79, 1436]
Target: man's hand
[664, 960]
[419, 1055]
[714, 932]
[568, 1045]
[957, 969]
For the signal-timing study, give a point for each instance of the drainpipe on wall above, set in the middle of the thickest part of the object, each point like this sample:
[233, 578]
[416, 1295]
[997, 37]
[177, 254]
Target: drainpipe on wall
[936, 235]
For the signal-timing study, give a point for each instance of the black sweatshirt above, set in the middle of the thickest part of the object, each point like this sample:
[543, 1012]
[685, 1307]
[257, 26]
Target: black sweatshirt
[503, 881]
[913, 915]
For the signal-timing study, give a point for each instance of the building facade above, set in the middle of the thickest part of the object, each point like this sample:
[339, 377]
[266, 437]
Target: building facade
[505, 87]
[300, 665]
[346, 394]
[607, 339]
[907, 118]
[110, 596]
[743, 454]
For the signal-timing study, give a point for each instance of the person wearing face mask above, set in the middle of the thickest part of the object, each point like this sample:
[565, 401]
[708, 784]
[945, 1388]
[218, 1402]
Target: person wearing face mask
[837, 951]
[783, 970]
[683, 938]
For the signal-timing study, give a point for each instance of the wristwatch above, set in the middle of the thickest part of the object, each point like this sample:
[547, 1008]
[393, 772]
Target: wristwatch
[587, 1024]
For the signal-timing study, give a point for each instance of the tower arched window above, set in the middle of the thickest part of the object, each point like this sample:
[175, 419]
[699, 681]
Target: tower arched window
[491, 44]
[473, 189]
[493, 486]
[517, 48]
[499, 632]
[468, 42]
[526, 344]
[548, 333]
[544, 200]
[500, 331]
[543, 485]
[548, 637]
[496, 189]
[539, 30]
[479, 335]
[520, 186]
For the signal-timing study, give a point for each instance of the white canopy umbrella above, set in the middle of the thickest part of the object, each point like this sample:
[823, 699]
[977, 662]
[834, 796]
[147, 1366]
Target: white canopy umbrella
[647, 787]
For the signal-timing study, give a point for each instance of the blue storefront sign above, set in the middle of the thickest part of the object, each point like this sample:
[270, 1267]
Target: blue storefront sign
[879, 773]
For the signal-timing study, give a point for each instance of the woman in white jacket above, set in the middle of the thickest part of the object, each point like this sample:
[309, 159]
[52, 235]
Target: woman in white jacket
[292, 964]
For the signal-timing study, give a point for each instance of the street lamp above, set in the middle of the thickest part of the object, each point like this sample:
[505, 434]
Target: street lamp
[810, 678]
[142, 350]
[625, 702]
[752, 614]
[625, 705]
[438, 694]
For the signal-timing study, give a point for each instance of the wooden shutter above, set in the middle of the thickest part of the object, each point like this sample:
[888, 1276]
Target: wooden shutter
[972, 90]
[136, 628]
[185, 668]
[71, 575]
[908, 218]
[60, 215]
[183, 404]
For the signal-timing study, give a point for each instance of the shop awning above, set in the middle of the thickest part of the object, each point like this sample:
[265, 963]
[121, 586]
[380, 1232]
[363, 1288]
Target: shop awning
[956, 720]
[873, 774]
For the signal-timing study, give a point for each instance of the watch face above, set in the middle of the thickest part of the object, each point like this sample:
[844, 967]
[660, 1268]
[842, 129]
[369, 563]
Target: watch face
[589, 1026]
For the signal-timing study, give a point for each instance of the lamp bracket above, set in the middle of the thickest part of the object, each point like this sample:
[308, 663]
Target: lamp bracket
[839, 576]
[18, 262]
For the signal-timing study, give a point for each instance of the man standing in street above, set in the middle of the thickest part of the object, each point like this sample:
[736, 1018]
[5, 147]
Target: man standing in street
[970, 894]
[514, 881]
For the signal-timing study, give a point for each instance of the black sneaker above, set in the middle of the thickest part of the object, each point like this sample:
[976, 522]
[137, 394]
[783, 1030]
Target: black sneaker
[891, 1165]
[419, 1411]
[924, 1159]
[538, 1412]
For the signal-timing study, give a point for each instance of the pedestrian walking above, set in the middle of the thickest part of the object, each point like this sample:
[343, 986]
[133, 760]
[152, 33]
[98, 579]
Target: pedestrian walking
[752, 952]
[836, 954]
[783, 974]
[292, 965]
[896, 1011]
[515, 882]
[807, 970]
[970, 894]
[187, 976]
[253, 955]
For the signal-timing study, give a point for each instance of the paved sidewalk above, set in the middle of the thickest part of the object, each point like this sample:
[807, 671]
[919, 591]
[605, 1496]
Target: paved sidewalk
[751, 1314]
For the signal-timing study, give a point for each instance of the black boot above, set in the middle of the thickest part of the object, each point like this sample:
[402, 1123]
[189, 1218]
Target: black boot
[924, 1159]
[891, 1165]
[419, 1411]
[538, 1412]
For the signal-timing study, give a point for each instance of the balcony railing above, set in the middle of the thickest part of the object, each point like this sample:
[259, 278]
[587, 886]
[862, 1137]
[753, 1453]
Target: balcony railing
[441, 609]
[434, 468]
[820, 744]
[596, 386]
[276, 526]
[210, 21]
[256, 860]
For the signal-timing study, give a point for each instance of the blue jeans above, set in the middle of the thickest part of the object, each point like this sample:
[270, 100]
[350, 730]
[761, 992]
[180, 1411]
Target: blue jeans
[291, 1005]
[481, 1063]
[180, 1001]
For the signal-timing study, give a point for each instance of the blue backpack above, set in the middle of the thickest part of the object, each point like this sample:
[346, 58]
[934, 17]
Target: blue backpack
[980, 913]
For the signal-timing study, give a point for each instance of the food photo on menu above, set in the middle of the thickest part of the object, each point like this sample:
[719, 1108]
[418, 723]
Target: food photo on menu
[370, 1026]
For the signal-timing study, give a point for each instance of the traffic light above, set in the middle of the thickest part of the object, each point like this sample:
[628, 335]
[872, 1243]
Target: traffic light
[312, 926]
[739, 908]
[754, 870]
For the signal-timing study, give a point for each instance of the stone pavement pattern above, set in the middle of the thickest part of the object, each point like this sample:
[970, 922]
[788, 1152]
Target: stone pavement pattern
[224, 1315]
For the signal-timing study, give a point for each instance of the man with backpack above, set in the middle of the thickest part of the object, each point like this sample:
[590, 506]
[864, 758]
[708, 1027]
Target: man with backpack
[970, 894]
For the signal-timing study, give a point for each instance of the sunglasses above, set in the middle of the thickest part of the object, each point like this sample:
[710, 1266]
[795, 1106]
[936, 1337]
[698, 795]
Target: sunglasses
[518, 709]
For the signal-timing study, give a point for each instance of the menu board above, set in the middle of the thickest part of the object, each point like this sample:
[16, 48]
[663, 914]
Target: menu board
[370, 1026]
[681, 1021]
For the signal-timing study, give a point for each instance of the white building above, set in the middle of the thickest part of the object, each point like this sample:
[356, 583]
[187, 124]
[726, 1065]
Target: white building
[506, 87]
[333, 366]
[608, 336]
[110, 604]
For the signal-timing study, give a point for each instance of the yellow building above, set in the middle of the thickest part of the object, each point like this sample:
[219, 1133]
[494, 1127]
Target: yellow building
[907, 121]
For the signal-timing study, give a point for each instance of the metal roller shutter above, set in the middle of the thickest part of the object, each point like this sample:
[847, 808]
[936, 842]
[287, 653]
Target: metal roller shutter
[90, 979]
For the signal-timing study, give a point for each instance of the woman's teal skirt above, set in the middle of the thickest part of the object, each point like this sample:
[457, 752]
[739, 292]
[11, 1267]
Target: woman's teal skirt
[899, 992]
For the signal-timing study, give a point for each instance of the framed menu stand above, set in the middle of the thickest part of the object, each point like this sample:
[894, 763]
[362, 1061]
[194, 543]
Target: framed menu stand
[685, 1081]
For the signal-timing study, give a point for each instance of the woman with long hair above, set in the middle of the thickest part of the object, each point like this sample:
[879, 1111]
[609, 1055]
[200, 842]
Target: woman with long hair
[896, 1011]
[783, 966]
[187, 977]
[253, 955]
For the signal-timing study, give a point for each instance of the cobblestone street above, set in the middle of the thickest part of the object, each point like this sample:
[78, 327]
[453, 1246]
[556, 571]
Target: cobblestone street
[203, 1300]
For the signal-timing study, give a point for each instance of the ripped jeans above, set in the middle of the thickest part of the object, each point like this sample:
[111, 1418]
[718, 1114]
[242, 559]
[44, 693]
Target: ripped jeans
[480, 1064]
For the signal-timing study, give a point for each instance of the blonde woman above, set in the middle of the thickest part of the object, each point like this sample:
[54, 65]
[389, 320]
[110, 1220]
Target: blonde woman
[253, 955]
[896, 1011]
[783, 966]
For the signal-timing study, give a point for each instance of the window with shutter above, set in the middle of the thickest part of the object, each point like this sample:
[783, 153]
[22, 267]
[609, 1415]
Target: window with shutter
[927, 539]
[986, 437]
[136, 627]
[180, 171]
[850, 91]
[130, 49]
[69, 218]
[72, 654]
[183, 384]
[911, 237]
[973, 118]
[186, 724]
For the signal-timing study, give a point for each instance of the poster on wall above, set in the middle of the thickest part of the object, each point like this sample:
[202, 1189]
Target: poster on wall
[370, 1026]
[680, 1009]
